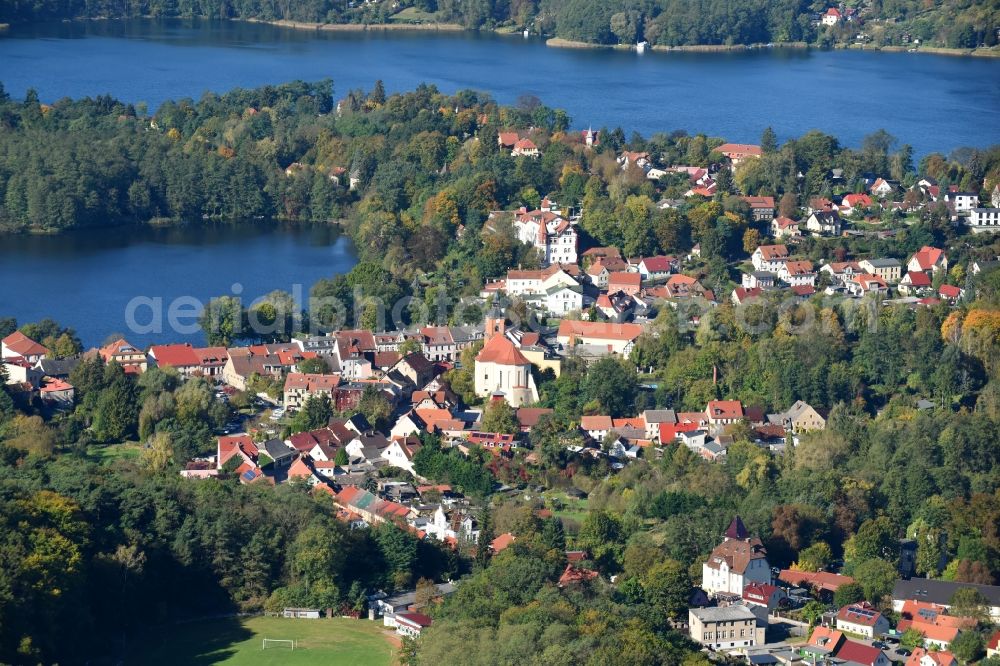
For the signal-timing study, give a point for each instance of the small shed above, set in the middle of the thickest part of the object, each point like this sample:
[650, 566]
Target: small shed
[307, 613]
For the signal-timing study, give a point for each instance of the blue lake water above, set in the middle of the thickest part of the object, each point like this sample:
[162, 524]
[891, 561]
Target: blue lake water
[87, 279]
[935, 103]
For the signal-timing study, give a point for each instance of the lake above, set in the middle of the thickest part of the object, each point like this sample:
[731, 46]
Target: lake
[87, 279]
[935, 103]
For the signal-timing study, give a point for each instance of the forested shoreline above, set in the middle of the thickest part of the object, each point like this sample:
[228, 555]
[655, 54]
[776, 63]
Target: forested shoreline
[949, 23]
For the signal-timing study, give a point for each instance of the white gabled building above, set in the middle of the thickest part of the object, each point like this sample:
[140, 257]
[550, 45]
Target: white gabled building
[549, 232]
[736, 562]
[769, 258]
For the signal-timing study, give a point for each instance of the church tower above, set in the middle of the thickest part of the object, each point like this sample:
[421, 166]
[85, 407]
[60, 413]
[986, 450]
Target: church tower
[496, 321]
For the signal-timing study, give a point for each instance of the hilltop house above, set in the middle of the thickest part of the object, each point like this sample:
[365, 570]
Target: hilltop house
[546, 230]
[735, 563]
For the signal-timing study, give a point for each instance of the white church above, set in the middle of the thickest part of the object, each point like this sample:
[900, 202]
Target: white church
[501, 369]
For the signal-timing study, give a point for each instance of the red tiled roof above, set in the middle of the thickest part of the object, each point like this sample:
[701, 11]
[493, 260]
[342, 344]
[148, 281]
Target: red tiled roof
[822, 580]
[934, 632]
[855, 200]
[212, 355]
[859, 653]
[502, 351]
[766, 203]
[175, 356]
[799, 267]
[596, 422]
[501, 542]
[862, 613]
[939, 657]
[54, 385]
[623, 279]
[418, 619]
[311, 382]
[21, 344]
[600, 330]
[927, 257]
[659, 264]
[740, 150]
[508, 138]
[574, 575]
[759, 592]
[528, 417]
[118, 347]
[770, 252]
[299, 470]
[725, 409]
[826, 637]
[918, 279]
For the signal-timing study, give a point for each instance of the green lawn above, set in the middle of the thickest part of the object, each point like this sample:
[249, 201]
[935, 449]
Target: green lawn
[108, 454]
[413, 15]
[569, 507]
[333, 642]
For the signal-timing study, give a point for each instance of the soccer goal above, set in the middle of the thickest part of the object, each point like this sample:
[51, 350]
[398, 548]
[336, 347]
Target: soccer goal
[277, 642]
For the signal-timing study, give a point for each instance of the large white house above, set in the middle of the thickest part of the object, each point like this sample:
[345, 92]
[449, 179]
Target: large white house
[770, 258]
[984, 219]
[547, 230]
[736, 562]
[553, 289]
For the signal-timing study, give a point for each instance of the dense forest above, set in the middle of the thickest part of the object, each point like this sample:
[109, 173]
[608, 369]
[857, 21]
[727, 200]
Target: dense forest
[92, 548]
[951, 23]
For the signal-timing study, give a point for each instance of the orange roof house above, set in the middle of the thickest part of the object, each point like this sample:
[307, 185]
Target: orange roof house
[18, 344]
[120, 351]
[572, 575]
[501, 542]
[724, 411]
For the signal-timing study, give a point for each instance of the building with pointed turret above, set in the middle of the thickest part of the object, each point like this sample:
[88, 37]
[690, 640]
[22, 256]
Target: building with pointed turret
[738, 561]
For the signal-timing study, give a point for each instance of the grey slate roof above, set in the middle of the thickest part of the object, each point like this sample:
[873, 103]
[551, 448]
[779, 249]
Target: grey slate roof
[278, 450]
[58, 367]
[940, 591]
[660, 416]
[723, 614]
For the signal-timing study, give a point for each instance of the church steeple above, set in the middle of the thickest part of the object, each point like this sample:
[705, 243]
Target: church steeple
[496, 320]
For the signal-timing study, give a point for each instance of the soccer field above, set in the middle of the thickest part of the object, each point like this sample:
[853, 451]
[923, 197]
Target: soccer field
[237, 641]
